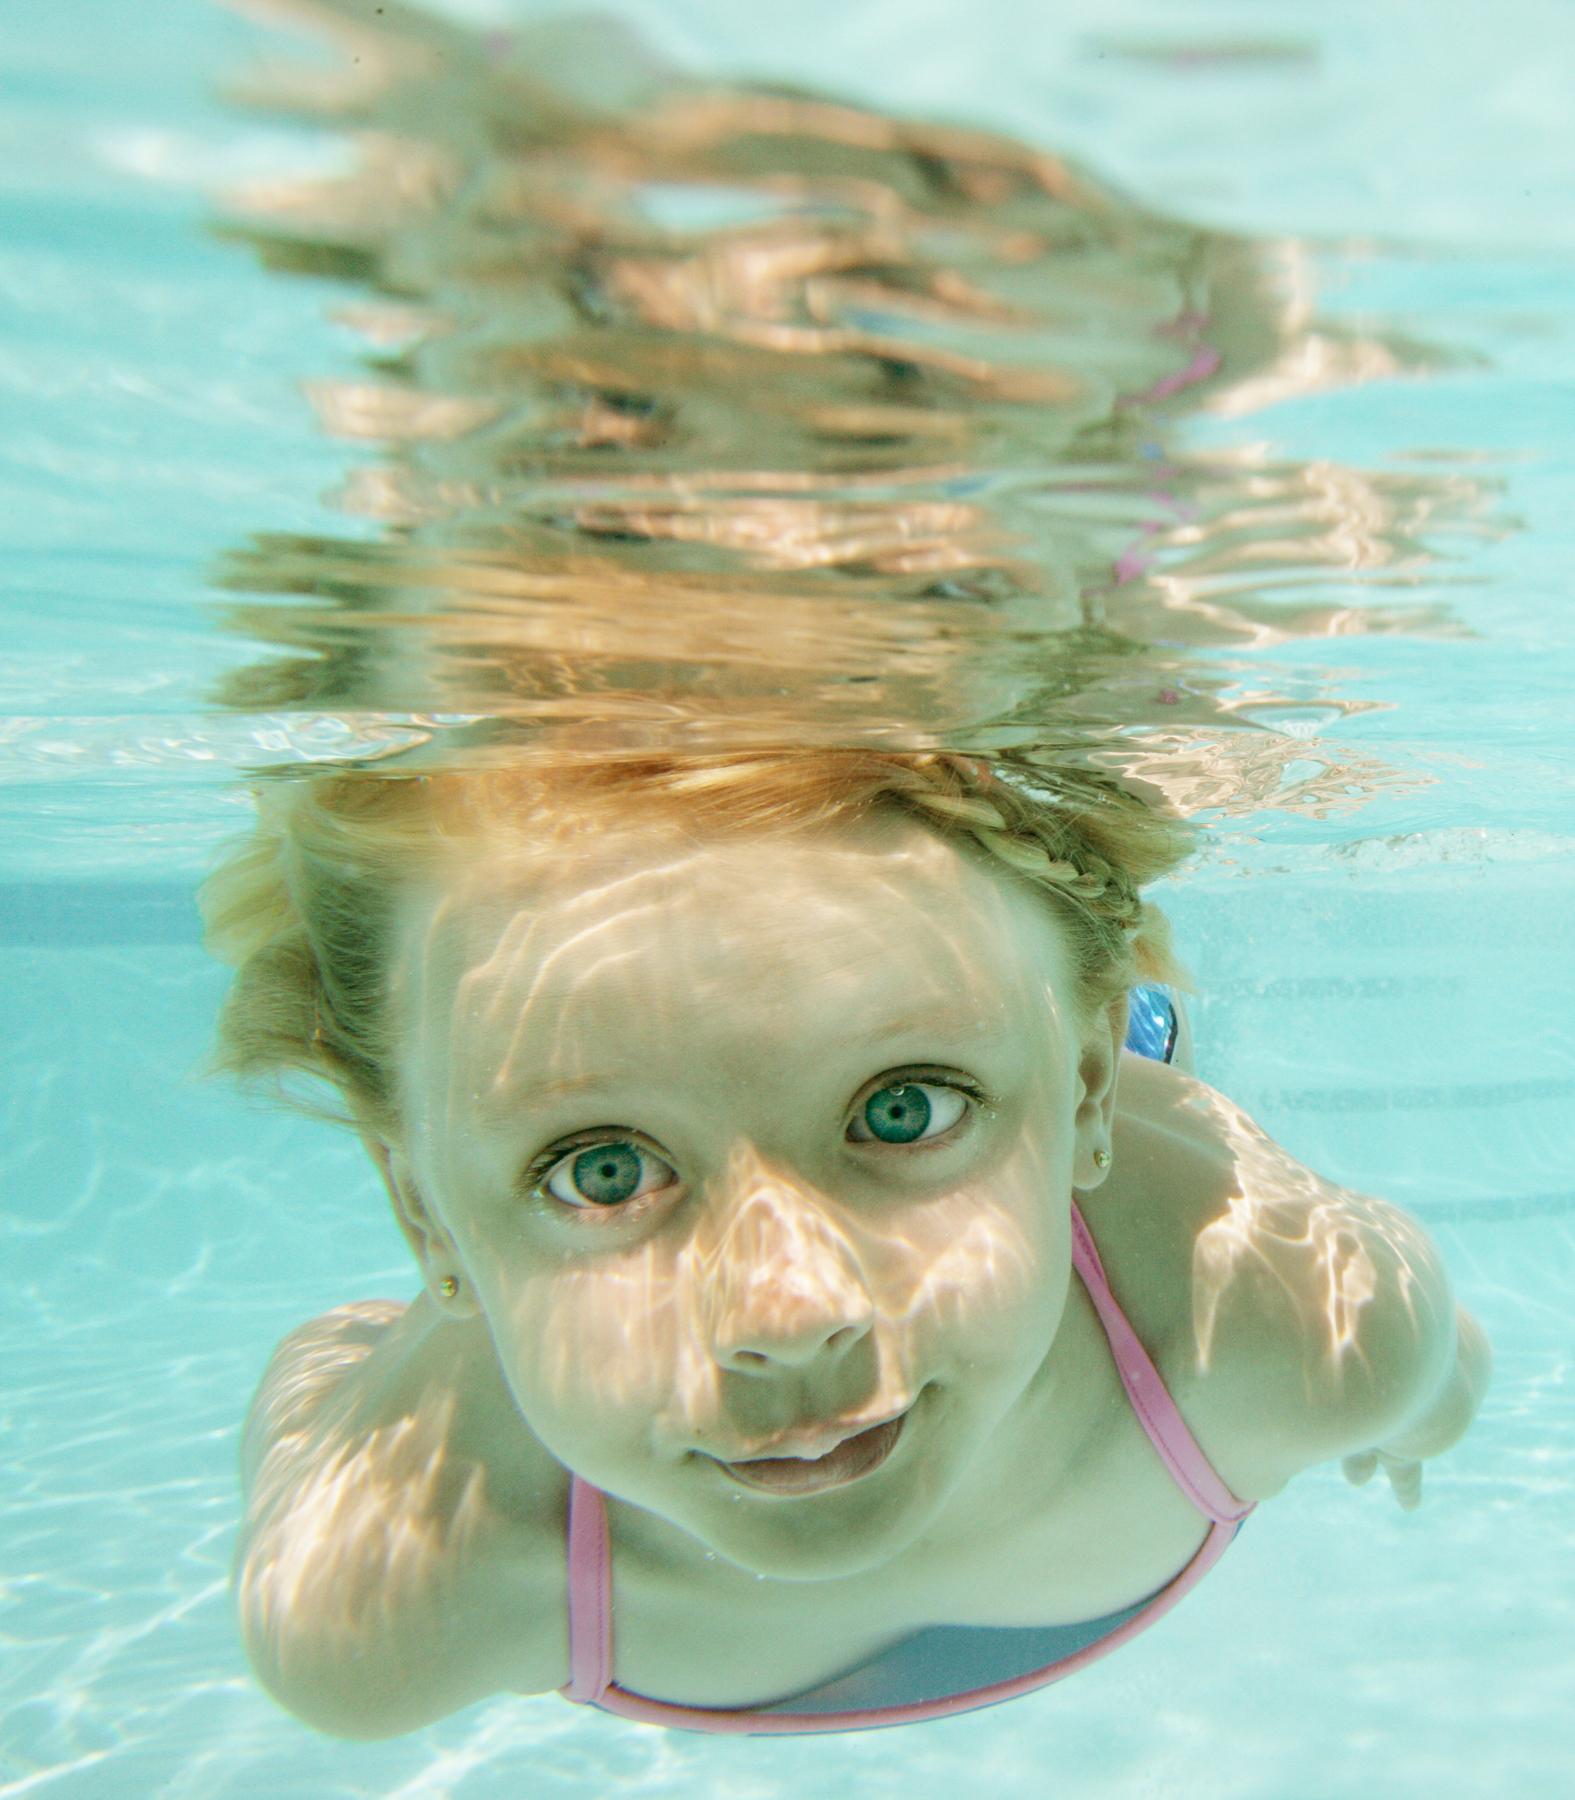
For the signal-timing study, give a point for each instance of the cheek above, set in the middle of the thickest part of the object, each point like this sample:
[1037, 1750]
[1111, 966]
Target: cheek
[988, 1266]
[594, 1343]
[974, 1268]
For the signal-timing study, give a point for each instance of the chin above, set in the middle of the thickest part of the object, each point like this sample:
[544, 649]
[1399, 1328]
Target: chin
[820, 1537]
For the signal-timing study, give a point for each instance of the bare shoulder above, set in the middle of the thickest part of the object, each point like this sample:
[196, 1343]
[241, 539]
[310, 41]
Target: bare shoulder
[401, 1550]
[1297, 1320]
[307, 1368]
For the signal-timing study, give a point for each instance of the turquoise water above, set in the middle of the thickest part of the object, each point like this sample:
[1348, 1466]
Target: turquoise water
[1387, 987]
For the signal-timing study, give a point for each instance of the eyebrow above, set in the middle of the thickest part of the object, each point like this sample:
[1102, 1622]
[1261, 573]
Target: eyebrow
[526, 1093]
[941, 1021]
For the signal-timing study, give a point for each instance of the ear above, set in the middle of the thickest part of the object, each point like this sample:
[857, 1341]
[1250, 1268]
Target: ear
[1099, 1063]
[447, 1283]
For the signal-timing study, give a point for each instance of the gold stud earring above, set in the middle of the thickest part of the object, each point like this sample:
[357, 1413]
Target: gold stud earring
[1101, 1159]
[448, 1287]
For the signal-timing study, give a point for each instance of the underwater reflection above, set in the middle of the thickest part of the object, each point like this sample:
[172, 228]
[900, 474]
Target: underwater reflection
[716, 415]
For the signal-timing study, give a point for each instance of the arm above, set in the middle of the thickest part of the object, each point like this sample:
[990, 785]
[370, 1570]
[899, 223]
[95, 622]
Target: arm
[390, 1568]
[1442, 1422]
[1343, 1306]
[1321, 1323]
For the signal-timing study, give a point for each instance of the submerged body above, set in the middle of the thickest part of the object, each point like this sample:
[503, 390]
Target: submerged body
[839, 1383]
[939, 1669]
[734, 1100]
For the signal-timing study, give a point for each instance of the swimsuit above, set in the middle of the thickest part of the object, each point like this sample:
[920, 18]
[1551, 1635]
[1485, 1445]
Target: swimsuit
[945, 1668]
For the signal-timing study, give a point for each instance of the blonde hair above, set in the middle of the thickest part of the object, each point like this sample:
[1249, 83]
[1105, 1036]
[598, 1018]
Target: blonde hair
[303, 909]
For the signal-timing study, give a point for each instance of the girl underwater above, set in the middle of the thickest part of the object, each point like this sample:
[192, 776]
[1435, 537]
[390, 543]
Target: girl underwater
[824, 1323]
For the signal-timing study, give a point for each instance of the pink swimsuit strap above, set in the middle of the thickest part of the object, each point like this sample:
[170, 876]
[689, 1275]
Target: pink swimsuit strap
[590, 1560]
[1157, 1413]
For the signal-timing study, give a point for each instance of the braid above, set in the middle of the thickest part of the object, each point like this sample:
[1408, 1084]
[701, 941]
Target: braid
[1030, 838]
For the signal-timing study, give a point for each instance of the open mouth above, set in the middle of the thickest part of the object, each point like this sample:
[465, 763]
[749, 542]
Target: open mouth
[854, 1457]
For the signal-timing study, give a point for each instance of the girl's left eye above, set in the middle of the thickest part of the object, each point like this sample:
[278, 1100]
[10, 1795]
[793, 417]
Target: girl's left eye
[907, 1112]
[609, 1174]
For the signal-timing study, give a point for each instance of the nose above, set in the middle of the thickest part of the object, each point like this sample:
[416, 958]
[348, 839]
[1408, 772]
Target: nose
[784, 1289]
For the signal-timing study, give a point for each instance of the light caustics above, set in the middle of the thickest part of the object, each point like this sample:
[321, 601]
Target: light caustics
[1281, 1226]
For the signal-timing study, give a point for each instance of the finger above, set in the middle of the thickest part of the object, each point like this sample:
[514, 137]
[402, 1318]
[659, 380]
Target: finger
[1361, 1467]
[1406, 1480]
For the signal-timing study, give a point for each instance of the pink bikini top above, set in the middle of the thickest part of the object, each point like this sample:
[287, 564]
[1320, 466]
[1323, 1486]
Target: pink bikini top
[945, 1669]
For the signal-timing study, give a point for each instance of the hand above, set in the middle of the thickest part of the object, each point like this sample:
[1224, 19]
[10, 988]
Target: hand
[1404, 1472]
[1440, 1426]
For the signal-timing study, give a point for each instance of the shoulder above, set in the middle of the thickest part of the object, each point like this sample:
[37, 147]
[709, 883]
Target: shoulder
[308, 1367]
[1296, 1319]
[401, 1552]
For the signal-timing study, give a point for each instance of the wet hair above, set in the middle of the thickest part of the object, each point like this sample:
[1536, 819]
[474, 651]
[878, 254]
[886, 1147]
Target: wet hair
[304, 909]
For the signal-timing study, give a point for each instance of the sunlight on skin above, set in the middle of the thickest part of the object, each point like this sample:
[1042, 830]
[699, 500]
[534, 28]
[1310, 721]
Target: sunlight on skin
[785, 1271]
[782, 1287]
[1279, 1220]
[535, 966]
[369, 1518]
[770, 1282]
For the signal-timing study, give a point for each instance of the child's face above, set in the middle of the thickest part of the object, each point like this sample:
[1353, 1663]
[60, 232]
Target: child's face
[754, 1153]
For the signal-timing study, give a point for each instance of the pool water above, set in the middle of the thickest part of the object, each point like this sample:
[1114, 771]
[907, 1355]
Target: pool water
[1387, 985]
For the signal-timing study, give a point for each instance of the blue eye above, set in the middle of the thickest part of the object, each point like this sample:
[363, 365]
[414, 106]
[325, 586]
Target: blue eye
[907, 1112]
[607, 1175]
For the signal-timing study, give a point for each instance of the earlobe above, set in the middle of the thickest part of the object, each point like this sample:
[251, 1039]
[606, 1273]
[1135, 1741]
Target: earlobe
[429, 1242]
[1098, 1067]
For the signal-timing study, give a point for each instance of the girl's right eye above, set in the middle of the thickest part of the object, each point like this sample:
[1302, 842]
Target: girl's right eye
[610, 1174]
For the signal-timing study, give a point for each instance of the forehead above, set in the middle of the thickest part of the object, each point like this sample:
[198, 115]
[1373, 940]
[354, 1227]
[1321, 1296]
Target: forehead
[565, 957]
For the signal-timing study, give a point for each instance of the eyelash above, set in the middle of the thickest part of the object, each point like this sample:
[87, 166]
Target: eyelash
[977, 1101]
[542, 1168]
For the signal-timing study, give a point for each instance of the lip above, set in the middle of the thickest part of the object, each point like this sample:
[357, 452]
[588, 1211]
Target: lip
[849, 1459]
